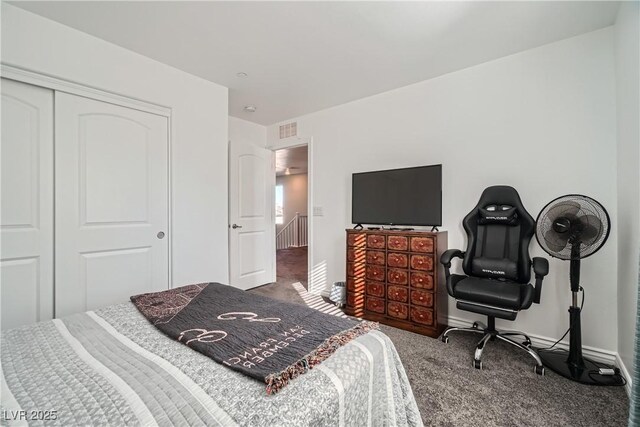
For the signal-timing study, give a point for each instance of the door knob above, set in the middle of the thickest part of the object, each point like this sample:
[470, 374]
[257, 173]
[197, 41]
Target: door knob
[160, 234]
[234, 226]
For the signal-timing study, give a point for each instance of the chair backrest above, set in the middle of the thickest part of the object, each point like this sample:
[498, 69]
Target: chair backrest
[499, 230]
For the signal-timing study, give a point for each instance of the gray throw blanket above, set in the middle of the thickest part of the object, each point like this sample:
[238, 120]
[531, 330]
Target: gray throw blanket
[263, 338]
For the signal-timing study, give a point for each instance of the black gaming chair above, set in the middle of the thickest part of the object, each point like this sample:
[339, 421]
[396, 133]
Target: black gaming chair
[497, 267]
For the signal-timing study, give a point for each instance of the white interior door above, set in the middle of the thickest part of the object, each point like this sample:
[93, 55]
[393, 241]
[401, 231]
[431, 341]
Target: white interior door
[26, 198]
[111, 203]
[251, 216]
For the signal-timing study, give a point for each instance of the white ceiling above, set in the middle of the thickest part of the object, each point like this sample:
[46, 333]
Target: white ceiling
[302, 57]
[294, 159]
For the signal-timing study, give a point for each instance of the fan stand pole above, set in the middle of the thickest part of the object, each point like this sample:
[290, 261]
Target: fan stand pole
[575, 359]
[575, 367]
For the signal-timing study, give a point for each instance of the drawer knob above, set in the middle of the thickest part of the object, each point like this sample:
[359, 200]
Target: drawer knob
[420, 280]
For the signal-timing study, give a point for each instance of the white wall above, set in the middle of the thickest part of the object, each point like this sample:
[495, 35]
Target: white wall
[627, 50]
[244, 132]
[199, 127]
[542, 121]
[294, 188]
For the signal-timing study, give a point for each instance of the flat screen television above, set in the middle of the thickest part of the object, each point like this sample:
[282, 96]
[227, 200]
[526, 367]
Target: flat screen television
[408, 197]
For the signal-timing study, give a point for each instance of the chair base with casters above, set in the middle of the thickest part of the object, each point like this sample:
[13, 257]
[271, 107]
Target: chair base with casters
[489, 333]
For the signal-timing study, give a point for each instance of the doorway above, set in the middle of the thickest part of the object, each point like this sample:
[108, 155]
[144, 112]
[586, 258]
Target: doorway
[252, 214]
[291, 214]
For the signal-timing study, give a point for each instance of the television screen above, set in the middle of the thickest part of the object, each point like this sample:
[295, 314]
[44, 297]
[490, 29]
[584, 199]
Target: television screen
[410, 196]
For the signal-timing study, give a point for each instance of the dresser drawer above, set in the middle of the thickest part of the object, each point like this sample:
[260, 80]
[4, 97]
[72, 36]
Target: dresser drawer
[397, 260]
[397, 276]
[351, 270]
[376, 241]
[397, 310]
[375, 289]
[355, 285]
[397, 293]
[375, 257]
[375, 304]
[351, 255]
[421, 280]
[422, 244]
[422, 298]
[375, 272]
[422, 262]
[422, 315]
[355, 300]
[398, 243]
[356, 239]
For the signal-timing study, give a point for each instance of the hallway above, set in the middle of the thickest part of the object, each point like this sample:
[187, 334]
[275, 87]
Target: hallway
[291, 265]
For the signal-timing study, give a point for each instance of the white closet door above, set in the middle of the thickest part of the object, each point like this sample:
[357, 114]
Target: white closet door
[26, 200]
[111, 203]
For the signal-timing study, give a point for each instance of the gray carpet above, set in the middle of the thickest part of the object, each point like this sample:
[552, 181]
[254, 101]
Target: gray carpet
[291, 265]
[281, 291]
[450, 392]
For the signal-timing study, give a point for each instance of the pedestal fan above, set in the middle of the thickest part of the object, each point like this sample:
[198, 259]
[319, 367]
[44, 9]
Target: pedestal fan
[571, 228]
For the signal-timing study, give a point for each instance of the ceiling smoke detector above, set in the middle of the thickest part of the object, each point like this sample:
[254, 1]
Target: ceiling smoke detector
[250, 108]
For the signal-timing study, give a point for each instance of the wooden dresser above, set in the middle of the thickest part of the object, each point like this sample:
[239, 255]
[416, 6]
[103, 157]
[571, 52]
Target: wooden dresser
[395, 278]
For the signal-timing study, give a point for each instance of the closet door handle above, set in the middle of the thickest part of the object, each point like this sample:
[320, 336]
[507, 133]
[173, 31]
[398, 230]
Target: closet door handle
[160, 234]
[234, 226]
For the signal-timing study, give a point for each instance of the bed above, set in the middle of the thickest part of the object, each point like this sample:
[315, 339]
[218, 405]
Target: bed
[112, 367]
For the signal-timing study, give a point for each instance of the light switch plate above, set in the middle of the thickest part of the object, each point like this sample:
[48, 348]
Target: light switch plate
[317, 211]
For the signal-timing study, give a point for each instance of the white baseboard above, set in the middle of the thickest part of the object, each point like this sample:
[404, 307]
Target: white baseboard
[322, 292]
[625, 373]
[593, 353]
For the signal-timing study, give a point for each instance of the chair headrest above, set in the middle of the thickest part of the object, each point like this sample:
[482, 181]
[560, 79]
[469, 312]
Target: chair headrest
[498, 214]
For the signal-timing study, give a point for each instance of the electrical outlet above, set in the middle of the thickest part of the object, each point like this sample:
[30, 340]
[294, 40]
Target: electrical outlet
[317, 211]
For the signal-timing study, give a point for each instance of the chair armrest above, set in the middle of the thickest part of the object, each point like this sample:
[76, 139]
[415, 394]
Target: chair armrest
[541, 269]
[448, 255]
[446, 258]
[540, 266]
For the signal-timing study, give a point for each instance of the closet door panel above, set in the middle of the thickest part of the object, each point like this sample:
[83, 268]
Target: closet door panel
[26, 208]
[111, 144]
[111, 203]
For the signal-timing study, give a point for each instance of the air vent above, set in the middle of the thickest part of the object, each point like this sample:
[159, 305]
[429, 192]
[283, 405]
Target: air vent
[288, 130]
